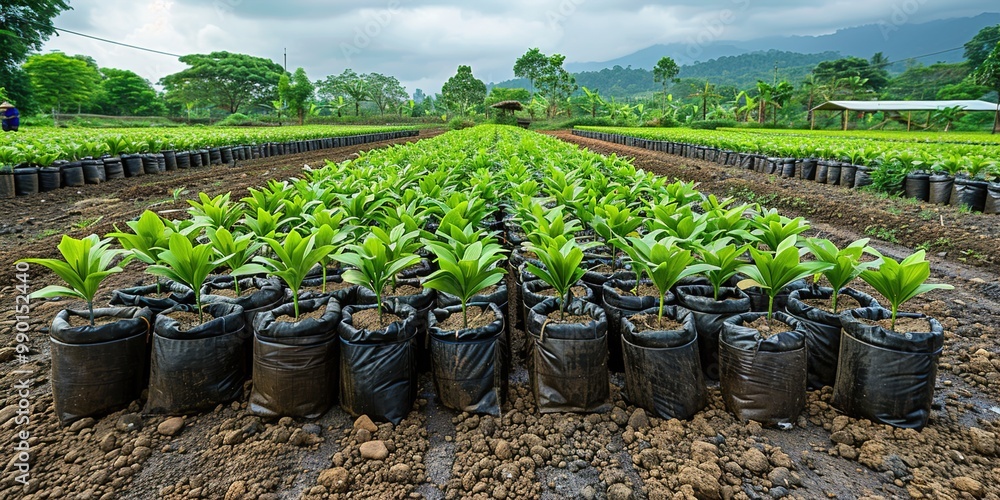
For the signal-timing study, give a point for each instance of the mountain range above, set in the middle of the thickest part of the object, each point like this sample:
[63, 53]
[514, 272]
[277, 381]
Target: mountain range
[929, 42]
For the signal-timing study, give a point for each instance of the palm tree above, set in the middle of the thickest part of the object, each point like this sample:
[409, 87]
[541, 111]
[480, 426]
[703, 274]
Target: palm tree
[814, 88]
[706, 93]
[780, 94]
[949, 115]
[765, 93]
[853, 85]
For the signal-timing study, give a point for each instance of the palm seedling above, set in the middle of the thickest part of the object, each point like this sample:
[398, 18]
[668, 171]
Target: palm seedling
[560, 258]
[187, 263]
[772, 271]
[900, 281]
[375, 264]
[845, 263]
[296, 255]
[465, 270]
[237, 251]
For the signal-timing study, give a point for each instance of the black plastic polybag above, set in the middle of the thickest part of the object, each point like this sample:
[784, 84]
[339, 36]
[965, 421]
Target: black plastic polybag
[470, 365]
[884, 376]
[296, 365]
[378, 375]
[197, 369]
[662, 368]
[98, 369]
[822, 330]
[256, 294]
[569, 361]
[708, 317]
[763, 379]
[142, 296]
[616, 304]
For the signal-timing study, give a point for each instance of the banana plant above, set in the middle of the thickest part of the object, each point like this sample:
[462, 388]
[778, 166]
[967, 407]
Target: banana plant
[664, 261]
[773, 271]
[560, 258]
[86, 263]
[725, 257]
[900, 281]
[295, 256]
[464, 271]
[237, 252]
[375, 265]
[845, 263]
[187, 263]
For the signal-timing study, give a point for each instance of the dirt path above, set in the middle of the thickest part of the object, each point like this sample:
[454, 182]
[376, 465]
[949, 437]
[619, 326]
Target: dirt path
[438, 453]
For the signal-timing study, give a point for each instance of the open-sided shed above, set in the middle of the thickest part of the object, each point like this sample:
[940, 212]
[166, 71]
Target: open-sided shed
[903, 106]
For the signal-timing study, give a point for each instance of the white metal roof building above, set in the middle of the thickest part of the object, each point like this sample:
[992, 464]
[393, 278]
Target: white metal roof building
[901, 106]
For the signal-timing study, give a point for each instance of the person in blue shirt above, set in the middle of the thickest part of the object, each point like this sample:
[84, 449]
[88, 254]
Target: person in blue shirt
[10, 116]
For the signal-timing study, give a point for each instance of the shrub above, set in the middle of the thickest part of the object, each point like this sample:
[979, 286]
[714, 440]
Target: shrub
[458, 123]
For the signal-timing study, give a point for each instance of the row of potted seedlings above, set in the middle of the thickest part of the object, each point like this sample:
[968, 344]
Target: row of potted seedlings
[46, 172]
[970, 181]
[646, 277]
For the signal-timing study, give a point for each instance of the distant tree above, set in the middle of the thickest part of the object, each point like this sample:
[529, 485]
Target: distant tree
[418, 96]
[948, 115]
[124, 93]
[500, 94]
[780, 95]
[593, 101]
[348, 85]
[665, 72]
[978, 48]
[463, 91]
[296, 92]
[963, 90]
[227, 80]
[25, 25]
[838, 69]
[555, 83]
[531, 66]
[706, 94]
[385, 91]
[58, 80]
[879, 61]
[988, 75]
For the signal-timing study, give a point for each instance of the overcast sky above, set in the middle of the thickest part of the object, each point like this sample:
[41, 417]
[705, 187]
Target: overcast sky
[422, 42]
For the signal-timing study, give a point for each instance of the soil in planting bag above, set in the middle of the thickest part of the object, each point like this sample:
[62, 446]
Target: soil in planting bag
[158, 297]
[256, 294]
[847, 174]
[708, 317]
[939, 191]
[662, 367]
[569, 361]
[470, 365]
[378, 374]
[132, 165]
[169, 159]
[93, 171]
[992, 205]
[422, 303]
[72, 174]
[833, 173]
[98, 369]
[822, 171]
[863, 177]
[618, 300]
[970, 193]
[883, 376]
[197, 368]
[917, 185]
[150, 165]
[822, 329]
[496, 294]
[531, 296]
[183, 159]
[6, 184]
[49, 179]
[763, 379]
[25, 181]
[759, 299]
[295, 363]
[113, 169]
[595, 279]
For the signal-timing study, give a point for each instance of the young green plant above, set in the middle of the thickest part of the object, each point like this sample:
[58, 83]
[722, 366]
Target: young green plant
[845, 263]
[237, 252]
[374, 265]
[665, 262]
[560, 258]
[725, 258]
[87, 262]
[464, 271]
[296, 255]
[187, 263]
[900, 281]
[773, 271]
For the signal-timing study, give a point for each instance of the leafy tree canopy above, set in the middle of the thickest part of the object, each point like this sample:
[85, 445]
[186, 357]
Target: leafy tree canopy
[25, 25]
[225, 79]
[531, 66]
[978, 48]
[847, 67]
[123, 93]
[385, 91]
[59, 81]
[463, 91]
[297, 92]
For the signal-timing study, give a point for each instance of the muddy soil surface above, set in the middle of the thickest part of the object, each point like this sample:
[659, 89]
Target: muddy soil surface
[438, 453]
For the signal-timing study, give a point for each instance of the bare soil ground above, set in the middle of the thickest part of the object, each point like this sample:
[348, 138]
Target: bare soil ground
[437, 453]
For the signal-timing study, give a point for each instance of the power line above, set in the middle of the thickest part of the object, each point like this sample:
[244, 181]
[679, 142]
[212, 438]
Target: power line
[116, 43]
